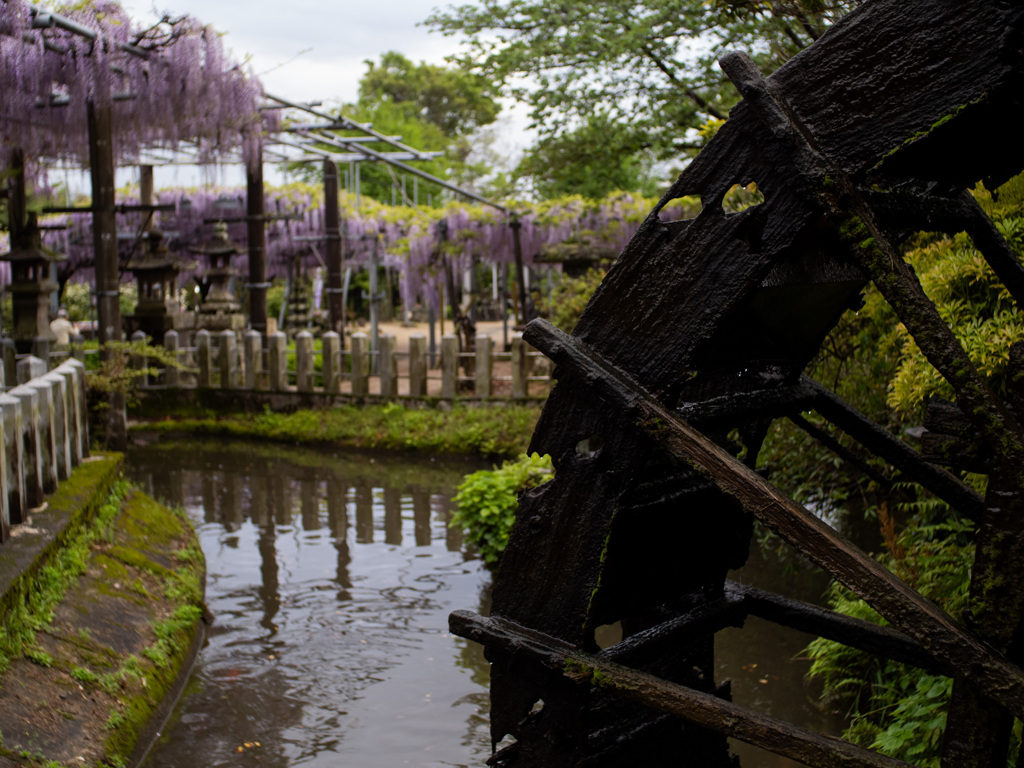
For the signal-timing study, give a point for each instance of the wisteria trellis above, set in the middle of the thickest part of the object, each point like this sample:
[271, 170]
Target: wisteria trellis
[179, 86]
[408, 239]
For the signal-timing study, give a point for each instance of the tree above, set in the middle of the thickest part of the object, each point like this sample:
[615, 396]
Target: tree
[593, 160]
[455, 101]
[432, 108]
[649, 64]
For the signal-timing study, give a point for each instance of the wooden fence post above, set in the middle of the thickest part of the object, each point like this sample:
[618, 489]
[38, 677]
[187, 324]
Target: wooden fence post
[304, 361]
[278, 347]
[388, 369]
[204, 357]
[252, 344]
[360, 365]
[172, 376]
[330, 349]
[449, 365]
[228, 359]
[484, 366]
[418, 365]
[520, 380]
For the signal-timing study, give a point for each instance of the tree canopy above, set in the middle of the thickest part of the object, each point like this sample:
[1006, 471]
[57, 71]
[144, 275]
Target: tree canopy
[648, 64]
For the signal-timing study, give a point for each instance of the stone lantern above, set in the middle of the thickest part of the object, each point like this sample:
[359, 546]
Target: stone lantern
[31, 285]
[156, 272]
[220, 311]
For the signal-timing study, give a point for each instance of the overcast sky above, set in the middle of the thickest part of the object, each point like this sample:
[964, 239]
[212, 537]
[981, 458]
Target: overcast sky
[303, 50]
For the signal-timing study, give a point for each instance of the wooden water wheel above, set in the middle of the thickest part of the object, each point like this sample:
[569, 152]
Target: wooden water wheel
[704, 328]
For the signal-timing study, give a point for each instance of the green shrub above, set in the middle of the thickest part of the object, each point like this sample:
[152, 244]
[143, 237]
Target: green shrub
[488, 500]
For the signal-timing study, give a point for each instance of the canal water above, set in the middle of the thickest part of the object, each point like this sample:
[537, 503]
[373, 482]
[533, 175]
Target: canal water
[331, 577]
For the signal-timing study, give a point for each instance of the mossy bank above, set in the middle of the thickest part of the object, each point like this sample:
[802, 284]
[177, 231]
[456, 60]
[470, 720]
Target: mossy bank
[102, 617]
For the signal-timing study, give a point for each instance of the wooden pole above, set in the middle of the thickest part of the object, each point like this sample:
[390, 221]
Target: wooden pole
[257, 245]
[146, 193]
[101, 167]
[517, 249]
[332, 225]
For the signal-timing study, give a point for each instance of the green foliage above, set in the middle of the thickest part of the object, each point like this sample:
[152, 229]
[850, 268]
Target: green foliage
[572, 60]
[487, 502]
[871, 361]
[124, 364]
[432, 108]
[570, 297]
[596, 158]
[897, 709]
[489, 432]
[970, 298]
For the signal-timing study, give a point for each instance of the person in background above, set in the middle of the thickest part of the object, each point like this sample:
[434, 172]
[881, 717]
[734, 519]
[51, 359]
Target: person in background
[62, 328]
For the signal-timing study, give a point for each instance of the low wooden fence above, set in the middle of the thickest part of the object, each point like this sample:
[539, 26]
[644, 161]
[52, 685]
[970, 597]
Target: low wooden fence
[219, 361]
[45, 435]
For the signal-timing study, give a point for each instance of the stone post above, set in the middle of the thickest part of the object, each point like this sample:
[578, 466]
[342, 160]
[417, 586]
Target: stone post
[484, 366]
[13, 449]
[30, 368]
[74, 412]
[388, 366]
[61, 433]
[418, 365]
[277, 344]
[78, 347]
[360, 365]
[330, 347]
[10, 361]
[83, 403]
[172, 376]
[520, 380]
[449, 365]
[252, 343]
[228, 360]
[31, 446]
[47, 444]
[204, 358]
[41, 349]
[304, 361]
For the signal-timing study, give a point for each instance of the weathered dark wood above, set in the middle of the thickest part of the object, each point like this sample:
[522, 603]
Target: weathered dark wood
[749, 406]
[332, 250]
[840, 450]
[856, 633]
[257, 235]
[937, 633]
[731, 304]
[894, 451]
[104, 227]
[709, 712]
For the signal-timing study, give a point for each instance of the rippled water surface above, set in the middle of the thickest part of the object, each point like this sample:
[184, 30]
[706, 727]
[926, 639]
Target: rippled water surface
[331, 578]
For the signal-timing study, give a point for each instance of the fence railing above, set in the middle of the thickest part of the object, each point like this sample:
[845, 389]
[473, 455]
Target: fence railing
[45, 434]
[218, 361]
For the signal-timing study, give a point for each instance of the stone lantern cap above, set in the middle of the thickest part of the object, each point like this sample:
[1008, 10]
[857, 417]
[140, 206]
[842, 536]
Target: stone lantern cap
[156, 256]
[220, 244]
[27, 245]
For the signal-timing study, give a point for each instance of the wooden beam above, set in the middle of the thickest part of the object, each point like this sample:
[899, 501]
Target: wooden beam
[707, 711]
[937, 633]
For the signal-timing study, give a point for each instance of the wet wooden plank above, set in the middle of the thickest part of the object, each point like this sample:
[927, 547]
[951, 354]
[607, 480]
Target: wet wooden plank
[937, 633]
[715, 714]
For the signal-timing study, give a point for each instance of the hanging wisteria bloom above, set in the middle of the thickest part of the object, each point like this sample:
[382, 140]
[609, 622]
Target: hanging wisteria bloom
[166, 84]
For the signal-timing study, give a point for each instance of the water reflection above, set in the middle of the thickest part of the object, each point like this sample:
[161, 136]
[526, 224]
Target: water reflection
[331, 578]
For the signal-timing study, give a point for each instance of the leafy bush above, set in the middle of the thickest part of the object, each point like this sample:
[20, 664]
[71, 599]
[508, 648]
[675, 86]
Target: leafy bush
[488, 501]
[569, 298]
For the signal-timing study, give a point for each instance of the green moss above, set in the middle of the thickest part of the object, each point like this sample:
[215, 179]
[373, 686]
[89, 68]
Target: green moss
[489, 432]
